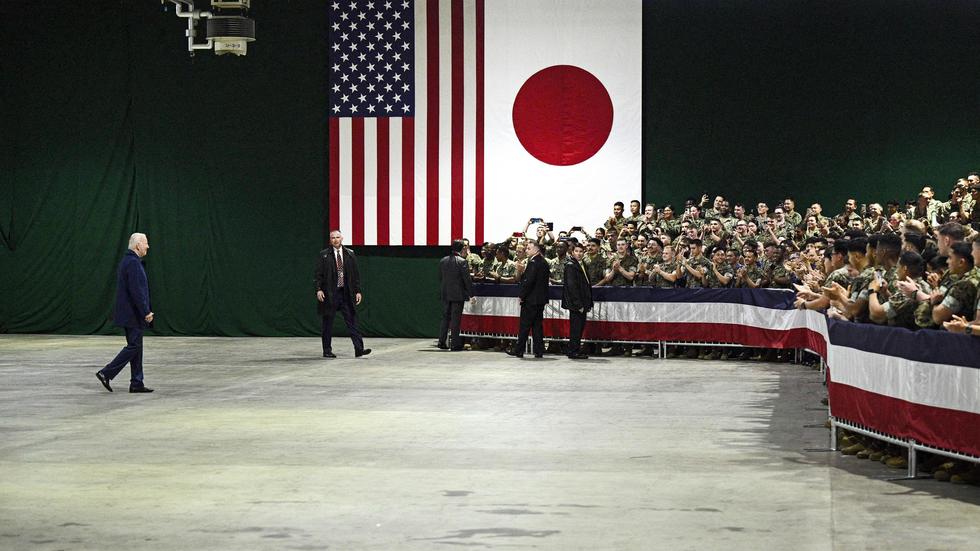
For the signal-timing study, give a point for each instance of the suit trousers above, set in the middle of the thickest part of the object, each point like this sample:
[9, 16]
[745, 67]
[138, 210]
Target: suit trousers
[132, 354]
[452, 313]
[576, 323]
[532, 318]
[342, 302]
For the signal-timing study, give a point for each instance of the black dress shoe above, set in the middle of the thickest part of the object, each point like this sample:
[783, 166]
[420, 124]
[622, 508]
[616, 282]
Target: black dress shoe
[578, 357]
[442, 347]
[365, 352]
[515, 353]
[136, 389]
[539, 355]
[456, 349]
[103, 380]
[329, 355]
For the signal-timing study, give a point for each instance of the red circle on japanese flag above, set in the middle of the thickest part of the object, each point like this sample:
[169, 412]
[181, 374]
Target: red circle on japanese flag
[563, 115]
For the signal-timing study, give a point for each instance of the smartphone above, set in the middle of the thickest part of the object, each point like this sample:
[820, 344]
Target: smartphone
[518, 234]
[550, 226]
[576, 228]
[537, 220]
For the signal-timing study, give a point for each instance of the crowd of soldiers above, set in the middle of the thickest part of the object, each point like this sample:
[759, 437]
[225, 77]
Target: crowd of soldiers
[915, 265]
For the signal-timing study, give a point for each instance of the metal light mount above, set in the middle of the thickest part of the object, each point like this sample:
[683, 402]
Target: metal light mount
[229, 29]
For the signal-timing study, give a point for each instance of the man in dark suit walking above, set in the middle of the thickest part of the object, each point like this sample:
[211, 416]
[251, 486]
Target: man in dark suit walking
[132, 313]
[534, 297]
[338, 287]
[576, 297]
[456, 287]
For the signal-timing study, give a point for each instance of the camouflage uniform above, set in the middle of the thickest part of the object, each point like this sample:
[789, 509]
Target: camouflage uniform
[595, 267]
[841, 276]
[874, 226]
[711, 281]
[794, 218]
[628, 263]
[859, 287]
[556, 273]
[900, 309]
[670, 227]
[775, 270]
[488, 265]
[961, 298]
[506, 269]
[616, 224]
[656, 280]
[474, 262]
[698, 263]
[755, 272]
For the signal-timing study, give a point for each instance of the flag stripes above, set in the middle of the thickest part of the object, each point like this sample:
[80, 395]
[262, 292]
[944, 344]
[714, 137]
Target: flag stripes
[418, 180]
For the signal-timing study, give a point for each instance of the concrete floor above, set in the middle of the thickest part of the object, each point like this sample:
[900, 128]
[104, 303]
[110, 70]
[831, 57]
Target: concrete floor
[261, 444]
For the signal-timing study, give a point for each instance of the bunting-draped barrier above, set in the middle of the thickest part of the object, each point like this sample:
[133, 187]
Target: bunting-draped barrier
[921, 386]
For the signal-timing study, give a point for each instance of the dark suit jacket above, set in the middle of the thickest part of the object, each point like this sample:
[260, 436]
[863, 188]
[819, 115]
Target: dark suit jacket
[576, 293]
[325, 276]
[534, 282]
[132, 292]
[455, 284]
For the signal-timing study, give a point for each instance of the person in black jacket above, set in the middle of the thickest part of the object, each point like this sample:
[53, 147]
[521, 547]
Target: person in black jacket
[456, 287]
[534, 296]
[132, 313]
[338, 287]
[576, 297]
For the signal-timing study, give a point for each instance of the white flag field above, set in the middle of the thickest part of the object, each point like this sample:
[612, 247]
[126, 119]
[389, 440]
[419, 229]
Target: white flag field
[464, 118]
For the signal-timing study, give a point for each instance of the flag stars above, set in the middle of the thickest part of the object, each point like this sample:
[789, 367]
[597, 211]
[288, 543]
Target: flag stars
[362, 57]
[405, 5]
[344, 16]
[370, 109]
[405, 87]
[362, 98]
[335, 6]
[344, 57]
[344, 78]
[344, 98]
[362, 78]
[344, 37]
[404, 25]
[405, 46]
[405, 66]
[387, 109]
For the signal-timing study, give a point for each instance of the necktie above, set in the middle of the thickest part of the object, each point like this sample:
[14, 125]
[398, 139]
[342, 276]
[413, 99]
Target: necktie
[340, 269]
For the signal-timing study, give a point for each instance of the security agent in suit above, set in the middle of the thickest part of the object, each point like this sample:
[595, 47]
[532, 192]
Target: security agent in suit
[132, 313]
[576, 297]
[534, 297]
[456, 287]
[338, 287]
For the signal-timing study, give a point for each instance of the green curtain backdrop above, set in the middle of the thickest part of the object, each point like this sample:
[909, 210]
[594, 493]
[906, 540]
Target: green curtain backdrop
[107, 126]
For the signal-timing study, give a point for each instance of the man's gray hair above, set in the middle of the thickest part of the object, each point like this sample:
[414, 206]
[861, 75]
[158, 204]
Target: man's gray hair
[136, 238]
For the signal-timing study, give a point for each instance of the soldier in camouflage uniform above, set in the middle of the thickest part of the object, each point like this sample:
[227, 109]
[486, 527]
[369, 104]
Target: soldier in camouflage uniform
[777, 276]
[752, 274]
[622, 268]
[617, 220]
[696, 266]
[719, 273]
[488, 262]
[714, 233]
[556, 265]
[647, 222]
[884, 282]
[505, 269]
[961, 298]
[663, 273]
[473, 260]
[594, 262]
[635, 214]
[668, 224]
[793, 218]
[899, 309]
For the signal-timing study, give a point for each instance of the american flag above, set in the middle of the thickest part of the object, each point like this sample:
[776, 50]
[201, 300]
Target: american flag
[406, 120]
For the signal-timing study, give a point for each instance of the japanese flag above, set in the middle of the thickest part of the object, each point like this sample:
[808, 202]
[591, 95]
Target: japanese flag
[563, 111]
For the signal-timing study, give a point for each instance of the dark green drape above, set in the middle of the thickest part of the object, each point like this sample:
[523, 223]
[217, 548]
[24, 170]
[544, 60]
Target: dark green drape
[107, 126]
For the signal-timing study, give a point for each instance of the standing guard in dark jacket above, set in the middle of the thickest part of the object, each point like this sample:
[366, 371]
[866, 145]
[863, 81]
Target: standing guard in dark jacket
[456, 287]
[576, 297]
[534, 297]
[338, 287]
